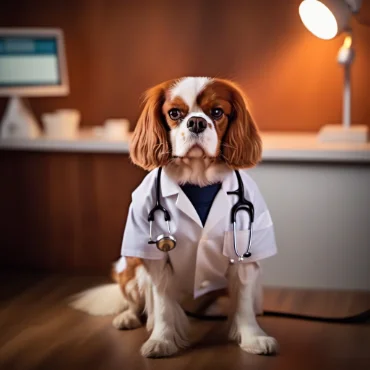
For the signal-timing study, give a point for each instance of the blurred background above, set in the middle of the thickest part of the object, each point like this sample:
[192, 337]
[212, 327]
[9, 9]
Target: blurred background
[65, 209]
[116, 50]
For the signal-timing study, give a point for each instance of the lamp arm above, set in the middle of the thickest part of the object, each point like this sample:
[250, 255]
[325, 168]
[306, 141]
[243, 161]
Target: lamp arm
[354, 5]
[346, 56]
[346, 112]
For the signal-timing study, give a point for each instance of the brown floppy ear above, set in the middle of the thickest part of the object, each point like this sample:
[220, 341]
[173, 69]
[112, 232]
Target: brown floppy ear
[242, 145]
[149, 147]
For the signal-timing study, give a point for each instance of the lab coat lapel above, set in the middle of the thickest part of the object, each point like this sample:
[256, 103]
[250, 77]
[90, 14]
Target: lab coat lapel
[170, 187]
[221, 205]
[183, 204]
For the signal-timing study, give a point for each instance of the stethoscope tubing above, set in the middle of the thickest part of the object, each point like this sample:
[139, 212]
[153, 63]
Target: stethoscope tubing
[241, 204]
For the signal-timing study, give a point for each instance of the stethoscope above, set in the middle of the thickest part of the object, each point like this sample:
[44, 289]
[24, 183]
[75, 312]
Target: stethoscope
[166, 243]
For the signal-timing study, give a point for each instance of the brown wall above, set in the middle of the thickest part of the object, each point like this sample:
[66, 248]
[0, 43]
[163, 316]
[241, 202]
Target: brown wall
[67, 211]
[116, 49]
[63, 211]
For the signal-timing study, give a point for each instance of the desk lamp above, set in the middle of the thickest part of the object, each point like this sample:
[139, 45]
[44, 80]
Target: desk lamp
[327, 19]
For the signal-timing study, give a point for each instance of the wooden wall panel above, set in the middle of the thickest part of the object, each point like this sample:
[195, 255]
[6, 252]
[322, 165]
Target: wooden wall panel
[63, 211]
[67, 211]
[116, 49]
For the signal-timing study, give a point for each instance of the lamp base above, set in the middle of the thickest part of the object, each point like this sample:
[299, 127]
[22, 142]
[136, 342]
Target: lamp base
[341, 134]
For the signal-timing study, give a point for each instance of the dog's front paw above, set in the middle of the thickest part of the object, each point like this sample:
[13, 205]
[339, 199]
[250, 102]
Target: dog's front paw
[158, 348]
[126, 320]
[260, 345]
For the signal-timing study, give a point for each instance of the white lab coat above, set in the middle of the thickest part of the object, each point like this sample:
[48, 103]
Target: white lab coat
[201, 257]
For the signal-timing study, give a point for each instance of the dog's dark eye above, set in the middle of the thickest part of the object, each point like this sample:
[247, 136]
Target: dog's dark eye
[174, 114]
[217, 113]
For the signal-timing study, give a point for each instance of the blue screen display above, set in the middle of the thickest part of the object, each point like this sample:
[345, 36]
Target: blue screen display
[23, 46]
[28, 61]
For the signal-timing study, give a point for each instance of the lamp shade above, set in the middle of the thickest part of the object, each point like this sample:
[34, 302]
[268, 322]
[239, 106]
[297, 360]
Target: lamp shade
[325, 19]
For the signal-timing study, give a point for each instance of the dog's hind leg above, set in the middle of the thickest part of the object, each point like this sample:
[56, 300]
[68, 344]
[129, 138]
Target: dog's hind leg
[130, 318]
[133, 281]
[125, 297]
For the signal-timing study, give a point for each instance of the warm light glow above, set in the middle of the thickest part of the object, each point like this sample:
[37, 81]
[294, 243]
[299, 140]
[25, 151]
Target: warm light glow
[347, 42]
[318, 19]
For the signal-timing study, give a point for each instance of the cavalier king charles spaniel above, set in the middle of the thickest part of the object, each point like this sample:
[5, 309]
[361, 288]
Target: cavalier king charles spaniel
[198, 130]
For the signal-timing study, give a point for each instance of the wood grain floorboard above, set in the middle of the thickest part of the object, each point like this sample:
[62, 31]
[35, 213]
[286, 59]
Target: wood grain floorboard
[39, 331]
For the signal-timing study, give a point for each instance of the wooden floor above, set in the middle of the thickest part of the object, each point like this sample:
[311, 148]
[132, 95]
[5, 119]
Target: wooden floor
[39, 331]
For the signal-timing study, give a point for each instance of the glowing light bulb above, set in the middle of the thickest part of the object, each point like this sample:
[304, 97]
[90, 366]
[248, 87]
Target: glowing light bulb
[318, 19]
[347, 42]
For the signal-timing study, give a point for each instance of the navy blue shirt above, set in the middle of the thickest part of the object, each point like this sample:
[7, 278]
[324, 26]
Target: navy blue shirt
[201, 198]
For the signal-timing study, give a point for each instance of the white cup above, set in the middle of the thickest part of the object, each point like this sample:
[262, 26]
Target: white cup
[61, 124]
[70, 115]
[116, 129]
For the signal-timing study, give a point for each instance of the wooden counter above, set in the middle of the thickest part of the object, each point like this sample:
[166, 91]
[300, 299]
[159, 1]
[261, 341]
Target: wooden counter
[64, 206]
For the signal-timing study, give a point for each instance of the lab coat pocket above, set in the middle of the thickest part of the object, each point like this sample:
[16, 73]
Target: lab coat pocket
[263, 244]
[242, 239]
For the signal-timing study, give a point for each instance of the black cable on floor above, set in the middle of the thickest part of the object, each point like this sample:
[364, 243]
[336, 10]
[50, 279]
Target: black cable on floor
[359, 318]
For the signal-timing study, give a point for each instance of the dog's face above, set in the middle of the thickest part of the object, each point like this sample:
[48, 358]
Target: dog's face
[197, 111]
[195, 117]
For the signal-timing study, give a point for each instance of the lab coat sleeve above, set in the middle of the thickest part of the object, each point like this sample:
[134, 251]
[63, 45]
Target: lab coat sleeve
[136, 234]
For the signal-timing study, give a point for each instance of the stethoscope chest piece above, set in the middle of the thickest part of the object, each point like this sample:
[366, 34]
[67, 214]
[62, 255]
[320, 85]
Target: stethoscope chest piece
[165, 243]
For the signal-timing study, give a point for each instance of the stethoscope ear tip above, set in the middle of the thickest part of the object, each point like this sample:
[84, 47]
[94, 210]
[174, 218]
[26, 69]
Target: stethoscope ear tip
[241, 258]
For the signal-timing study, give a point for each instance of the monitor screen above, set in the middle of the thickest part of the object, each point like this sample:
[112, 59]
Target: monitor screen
[29, 61]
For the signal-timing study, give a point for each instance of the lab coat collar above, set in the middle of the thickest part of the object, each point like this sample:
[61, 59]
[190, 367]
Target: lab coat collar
[221, 203]
[170, 187]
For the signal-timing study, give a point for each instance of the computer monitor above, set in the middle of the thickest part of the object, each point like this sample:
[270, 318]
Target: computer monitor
[32, 63]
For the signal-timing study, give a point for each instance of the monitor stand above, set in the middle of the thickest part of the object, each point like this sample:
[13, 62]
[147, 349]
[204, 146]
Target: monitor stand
[18, 121]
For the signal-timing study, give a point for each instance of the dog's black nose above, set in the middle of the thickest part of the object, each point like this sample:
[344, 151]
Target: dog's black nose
[197, 124]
